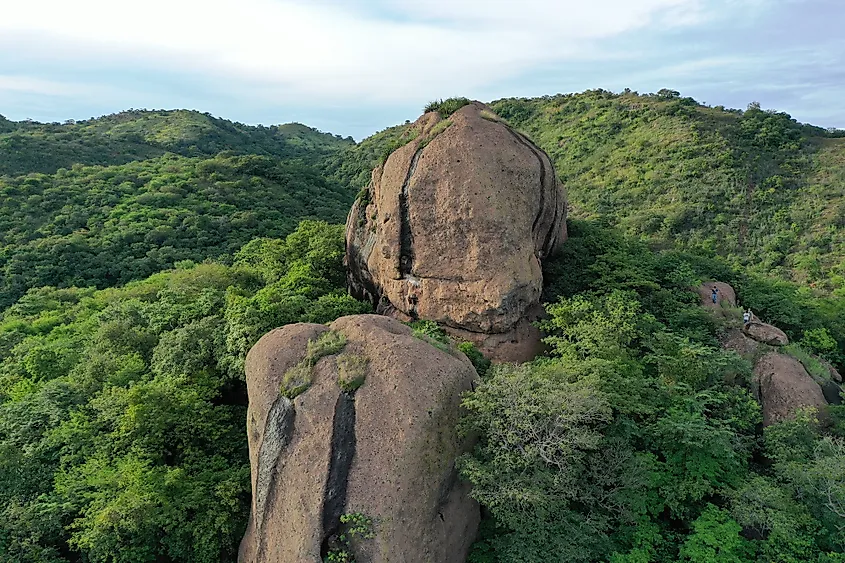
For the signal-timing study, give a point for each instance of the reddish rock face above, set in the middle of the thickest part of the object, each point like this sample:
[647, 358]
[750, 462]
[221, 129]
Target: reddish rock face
[725, 293]
[386, 450]
[455, 225]
[765, 333]
[785, 386]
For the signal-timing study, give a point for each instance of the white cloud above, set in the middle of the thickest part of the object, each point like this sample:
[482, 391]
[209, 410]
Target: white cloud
[319, 50]
[32, 85]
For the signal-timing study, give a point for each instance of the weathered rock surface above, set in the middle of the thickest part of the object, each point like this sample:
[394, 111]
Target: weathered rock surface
[386, 450]
[785, 386]
[455, 225]
[741, 344]
[765, 333]
[520, 344]
[834, 373]
[726, 294]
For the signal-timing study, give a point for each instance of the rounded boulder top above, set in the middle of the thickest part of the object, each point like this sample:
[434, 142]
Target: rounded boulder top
[455, 223]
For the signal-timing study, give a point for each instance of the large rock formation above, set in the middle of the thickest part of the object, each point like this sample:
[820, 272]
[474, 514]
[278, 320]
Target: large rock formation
[454, 226]
[385, 451]
[782, 384]
[785, 386]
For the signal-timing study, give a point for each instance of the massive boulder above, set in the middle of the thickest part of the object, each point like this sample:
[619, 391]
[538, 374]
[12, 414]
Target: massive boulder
[453, 228]
[385, 451]
[785, 386]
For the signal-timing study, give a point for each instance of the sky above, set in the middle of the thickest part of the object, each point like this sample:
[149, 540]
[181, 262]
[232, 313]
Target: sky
[354, 67]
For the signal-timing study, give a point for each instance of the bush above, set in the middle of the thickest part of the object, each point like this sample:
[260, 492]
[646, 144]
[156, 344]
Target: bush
[447, 107]
[475, 356]
[813, 366]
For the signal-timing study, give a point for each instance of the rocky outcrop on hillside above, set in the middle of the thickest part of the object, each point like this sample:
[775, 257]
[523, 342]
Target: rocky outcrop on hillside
[724, 293]
[785, 386]
[782, 384]
[765, 333]
[453, 228]
[356, 420]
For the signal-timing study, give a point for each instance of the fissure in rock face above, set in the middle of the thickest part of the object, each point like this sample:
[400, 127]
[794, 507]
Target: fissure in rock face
[340, 463]
[277, 433]
[530, 146]
[406, 236]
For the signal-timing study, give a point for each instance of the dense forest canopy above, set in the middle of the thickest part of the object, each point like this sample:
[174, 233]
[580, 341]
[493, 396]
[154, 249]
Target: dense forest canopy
[143, 253]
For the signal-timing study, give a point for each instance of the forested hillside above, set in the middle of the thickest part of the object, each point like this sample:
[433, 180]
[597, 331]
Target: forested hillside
[104, 202]
[122, 411]
[639, 439]
[140, 134]
[142, 254]
[754, 186]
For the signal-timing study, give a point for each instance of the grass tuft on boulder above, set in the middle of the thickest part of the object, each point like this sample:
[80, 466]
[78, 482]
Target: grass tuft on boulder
[446, 107]
[298, 378]
[351, 371]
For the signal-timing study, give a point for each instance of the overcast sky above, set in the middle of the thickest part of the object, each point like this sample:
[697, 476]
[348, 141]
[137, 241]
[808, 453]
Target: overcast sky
[353, 67]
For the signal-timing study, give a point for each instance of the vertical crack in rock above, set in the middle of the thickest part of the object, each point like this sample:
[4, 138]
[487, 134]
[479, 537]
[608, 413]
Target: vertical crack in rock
[537, 153]
[358, 277]
[551, 235]
[277, 433]
[406, 237]
[340, 463]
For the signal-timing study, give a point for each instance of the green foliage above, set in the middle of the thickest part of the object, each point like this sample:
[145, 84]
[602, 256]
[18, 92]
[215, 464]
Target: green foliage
[351, 371]
[96, 226]
[435, 131]
[756, 187]
[353, 165]
[297, 378]
[638, 439]
[813, 366]
[122, 403]
[446, 107]
[327, 344]
[431, 332]
[819, 341]
[354, 526]
[117, 139]
[489, 116]
[716, 537]
[122, 434]
[479, 362]
[529, 469]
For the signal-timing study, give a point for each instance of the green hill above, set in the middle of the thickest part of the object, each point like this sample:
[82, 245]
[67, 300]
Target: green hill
[139, 134]
[142, 254]
[115, 199]
[754, 186]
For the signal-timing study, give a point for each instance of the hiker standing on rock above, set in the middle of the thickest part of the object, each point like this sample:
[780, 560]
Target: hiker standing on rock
[715, 291]
[746, 317]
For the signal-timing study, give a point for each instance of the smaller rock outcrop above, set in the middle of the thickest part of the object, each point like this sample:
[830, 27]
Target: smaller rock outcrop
[725, 293]
[765, 333]
[785, 386]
